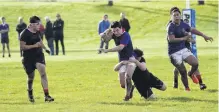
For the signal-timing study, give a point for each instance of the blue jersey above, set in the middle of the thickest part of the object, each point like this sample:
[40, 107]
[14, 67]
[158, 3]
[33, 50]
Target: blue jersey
[127, 51]
[178, 31]
[4, 27]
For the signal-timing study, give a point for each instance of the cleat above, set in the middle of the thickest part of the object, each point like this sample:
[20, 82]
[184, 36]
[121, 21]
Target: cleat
[49, 99]
[9, 55]
[31, 99]
[203, 86]
[175, 85]
[126, 98]
[187, 89]
[30, 96]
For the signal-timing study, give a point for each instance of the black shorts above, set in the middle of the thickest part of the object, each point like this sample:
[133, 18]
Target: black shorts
[144, 83]
[4, 40]
[29, 63]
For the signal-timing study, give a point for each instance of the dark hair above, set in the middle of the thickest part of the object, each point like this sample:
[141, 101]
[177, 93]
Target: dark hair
[34, 19]
[116, 24]
[2, 17]
[138, 52]
[176, 10]
[173, 8]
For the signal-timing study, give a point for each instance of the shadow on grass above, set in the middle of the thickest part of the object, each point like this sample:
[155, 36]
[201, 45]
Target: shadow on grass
[212, 90]
[126, 103]
[186, 99]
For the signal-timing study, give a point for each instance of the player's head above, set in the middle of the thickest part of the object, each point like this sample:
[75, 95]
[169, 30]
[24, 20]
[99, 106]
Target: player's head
[34, 23]
[117, 28]
[138, 53]
[47, 19]
[173, 8]
[105, 17]
[20, 19]
[58, 16]
[3, 19]
[176, 15]
[122, 15]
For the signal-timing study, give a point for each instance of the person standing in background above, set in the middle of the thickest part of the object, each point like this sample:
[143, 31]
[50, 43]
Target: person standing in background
[49, 35]
[58, 27]
[4, 29]
[20, 27]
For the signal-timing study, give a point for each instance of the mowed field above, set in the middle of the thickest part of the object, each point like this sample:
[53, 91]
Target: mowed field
[84, 81]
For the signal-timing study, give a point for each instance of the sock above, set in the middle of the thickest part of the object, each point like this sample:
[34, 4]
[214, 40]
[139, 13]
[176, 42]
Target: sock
[199, 79]
[46, 92]
[30, 92]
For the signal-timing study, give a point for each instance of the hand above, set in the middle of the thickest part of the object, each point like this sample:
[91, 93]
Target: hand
[38, 44]
[208, 38]
[133, 60]
[125, 62]
[188, 38]
[103, 50]
[47, 51]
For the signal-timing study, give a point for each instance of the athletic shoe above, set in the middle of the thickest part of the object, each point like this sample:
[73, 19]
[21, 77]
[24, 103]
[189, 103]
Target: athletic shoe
[203, 86]
[49, 99]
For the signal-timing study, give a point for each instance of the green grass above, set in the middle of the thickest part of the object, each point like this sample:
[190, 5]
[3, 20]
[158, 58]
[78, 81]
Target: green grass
[84, 81]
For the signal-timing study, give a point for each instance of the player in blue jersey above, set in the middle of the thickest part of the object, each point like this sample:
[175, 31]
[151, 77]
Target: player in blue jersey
[197, 77]
[125, 49]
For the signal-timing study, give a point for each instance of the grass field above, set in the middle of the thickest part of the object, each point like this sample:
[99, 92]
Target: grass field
[84, 81]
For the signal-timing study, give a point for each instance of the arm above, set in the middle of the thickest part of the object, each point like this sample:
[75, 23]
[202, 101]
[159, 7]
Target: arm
[4, 31]
[27, 47]
[172, 38]
[99, 28]
[115, 49]
[171, 35]
[195, 31]
[17, 28]
[141, 65]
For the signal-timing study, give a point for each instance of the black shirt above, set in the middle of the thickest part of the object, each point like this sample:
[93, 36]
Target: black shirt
[49, 30]
[137, 69]
[58, 26]
[31, 39]
[125, 24]
[20, 27]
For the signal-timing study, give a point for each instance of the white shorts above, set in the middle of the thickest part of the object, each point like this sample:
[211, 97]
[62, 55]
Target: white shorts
[124, 67]
[179, 56]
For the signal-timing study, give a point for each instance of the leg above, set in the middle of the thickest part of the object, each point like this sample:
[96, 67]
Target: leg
[9, 54]
[62, 44]
[122, 79]
[44, 81]
[191, 60]
[57, 46]
[201, 84]
[29, 69]
[156, 82]
[107, 45]
[128, 77]
[176, 74]
[30, 86]
[101, 45]
[176, 60]
[42, 70]
[3, 50]
[52, 46]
